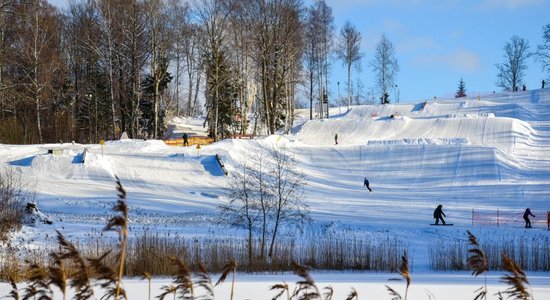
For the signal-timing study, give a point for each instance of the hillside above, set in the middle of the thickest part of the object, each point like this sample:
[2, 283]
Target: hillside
[466, 154]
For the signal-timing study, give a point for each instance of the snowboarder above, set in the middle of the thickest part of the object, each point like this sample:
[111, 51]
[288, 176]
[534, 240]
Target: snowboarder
[366, 183]
[336, 139]
[438, 213]
[185, 139]
[526, 215]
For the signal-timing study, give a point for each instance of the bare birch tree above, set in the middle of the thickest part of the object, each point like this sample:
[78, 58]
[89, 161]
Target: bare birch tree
[310, 59]
[385, 67]
[242, 209]
[38, 56]
[512, 70]
[160, 36]
[287, 189]
[213, 16]
[349, 51]
[542, 55]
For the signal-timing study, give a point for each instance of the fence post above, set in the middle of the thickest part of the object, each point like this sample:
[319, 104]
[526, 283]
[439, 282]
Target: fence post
[498, 218]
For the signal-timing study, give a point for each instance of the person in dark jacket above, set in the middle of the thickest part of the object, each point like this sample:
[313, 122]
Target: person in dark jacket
[366, 183]
[336, 139]
[438, 213]
[185, 139]
[526, 215]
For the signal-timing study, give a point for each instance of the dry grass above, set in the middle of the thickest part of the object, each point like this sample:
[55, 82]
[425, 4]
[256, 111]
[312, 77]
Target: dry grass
[531, 254]
[353, 295]
[119, 223]
[515, 279]
[305, 288]
[405, 273]
[70, 268]
[12, 202]
[283, 289]
[477, 262]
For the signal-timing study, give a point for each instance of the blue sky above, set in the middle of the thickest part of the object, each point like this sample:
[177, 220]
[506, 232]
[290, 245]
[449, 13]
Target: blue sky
[439, 41]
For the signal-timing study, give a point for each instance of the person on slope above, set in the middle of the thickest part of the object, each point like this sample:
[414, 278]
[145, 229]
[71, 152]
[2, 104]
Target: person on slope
[185, 139]
[336, 139]
[438, 213]
[526, 215]
[366, 183]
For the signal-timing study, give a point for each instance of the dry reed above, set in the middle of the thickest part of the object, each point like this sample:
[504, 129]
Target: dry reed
[305, 288]
[405, 273]
[119, 223]
[516, 279]
[477, 262]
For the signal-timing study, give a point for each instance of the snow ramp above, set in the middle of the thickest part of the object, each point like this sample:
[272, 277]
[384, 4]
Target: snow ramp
[504, 133]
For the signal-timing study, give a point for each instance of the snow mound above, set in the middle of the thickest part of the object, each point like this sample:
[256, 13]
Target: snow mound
[34, 217]
[440, 141]
[136, 145]
[471, 115]
[504, 133]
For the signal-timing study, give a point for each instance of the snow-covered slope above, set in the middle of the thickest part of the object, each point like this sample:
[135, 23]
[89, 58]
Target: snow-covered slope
[483, 154]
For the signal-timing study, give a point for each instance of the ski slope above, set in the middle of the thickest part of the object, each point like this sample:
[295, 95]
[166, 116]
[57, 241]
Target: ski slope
[484, 154]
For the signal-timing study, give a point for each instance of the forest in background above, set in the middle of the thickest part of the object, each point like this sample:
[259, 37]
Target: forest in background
[103, 67]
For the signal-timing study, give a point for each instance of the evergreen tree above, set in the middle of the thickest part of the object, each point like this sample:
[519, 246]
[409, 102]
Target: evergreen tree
[152, 120]
[461, 89]
[222, 90]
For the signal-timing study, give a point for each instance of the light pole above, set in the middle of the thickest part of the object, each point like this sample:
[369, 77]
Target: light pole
[339, 100]
[396, 91]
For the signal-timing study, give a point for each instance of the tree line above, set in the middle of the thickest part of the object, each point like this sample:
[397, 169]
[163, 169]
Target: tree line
[102, 67]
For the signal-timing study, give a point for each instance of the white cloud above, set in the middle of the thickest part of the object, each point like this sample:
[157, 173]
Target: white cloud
[461, 60]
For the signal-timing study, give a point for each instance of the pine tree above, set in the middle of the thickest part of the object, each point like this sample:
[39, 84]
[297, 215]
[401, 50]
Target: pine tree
[461, 89]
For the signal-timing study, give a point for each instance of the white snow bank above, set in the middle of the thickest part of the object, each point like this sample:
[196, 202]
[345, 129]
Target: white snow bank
[504, 133]
[440, 141]
[136, 145]
[470, 116]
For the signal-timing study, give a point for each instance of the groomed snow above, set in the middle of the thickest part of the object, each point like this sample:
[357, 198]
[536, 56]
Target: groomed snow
[486, 154]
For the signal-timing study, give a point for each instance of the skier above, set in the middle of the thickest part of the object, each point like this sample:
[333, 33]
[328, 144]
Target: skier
[524, 88]
[366, 183]
[438, 212]
[185, 139]
[336, 139]
[543, 83]
[548, 220]
[526, 215]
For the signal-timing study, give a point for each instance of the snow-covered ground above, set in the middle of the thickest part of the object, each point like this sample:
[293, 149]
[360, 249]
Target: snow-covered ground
[448, 286]
[466, 154]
